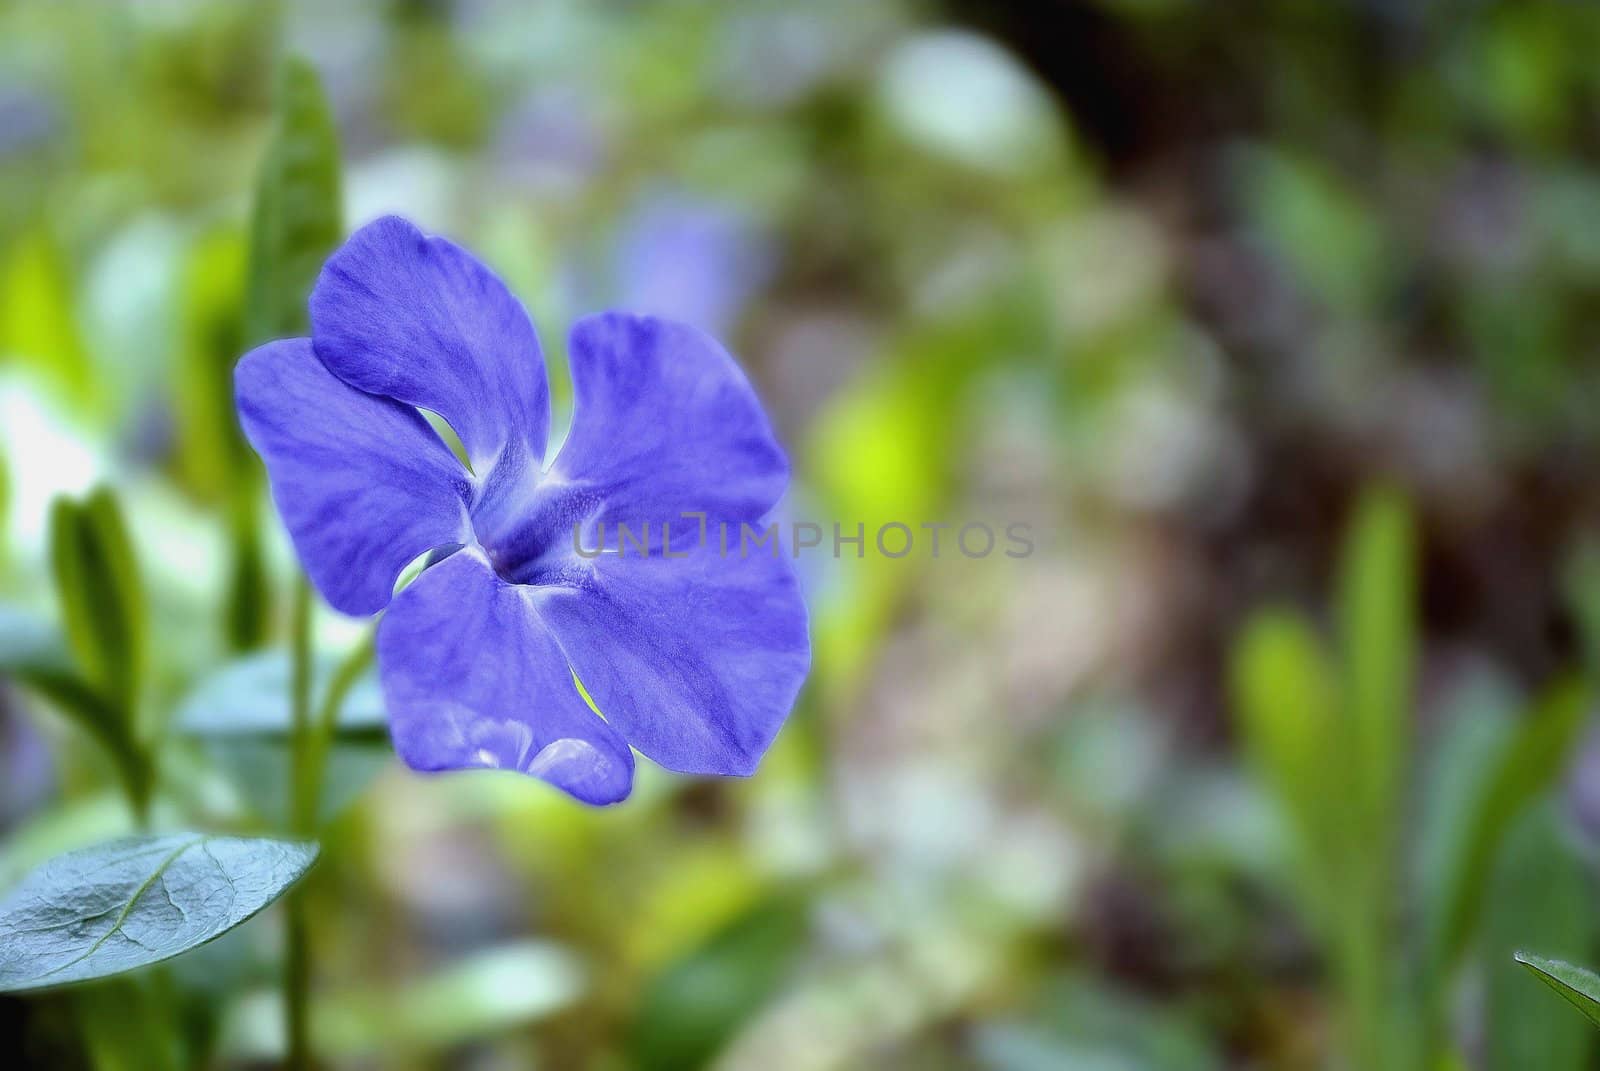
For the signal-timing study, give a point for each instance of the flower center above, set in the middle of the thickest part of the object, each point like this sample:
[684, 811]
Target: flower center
[525, 524]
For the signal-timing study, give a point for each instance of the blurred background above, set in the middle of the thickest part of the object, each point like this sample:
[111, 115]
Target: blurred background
[1277, 322]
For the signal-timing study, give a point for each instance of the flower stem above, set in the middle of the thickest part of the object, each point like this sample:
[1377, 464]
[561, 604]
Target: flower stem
[320, 732]
[297, 954]
[311, 739]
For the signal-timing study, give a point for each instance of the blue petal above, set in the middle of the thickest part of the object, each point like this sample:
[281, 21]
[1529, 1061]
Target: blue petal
[419, 320]
[696, 661]
[362, 483]
[473, 679]
[664, 422]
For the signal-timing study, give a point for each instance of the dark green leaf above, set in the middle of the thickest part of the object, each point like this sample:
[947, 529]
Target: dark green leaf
[128, 903]
[1579, 987]
[1533, 757]
[297, 217]
[692, 1009]
[1538, 895]
[102, 599]
[1583, 595]
[249, 599]
[127, 1025]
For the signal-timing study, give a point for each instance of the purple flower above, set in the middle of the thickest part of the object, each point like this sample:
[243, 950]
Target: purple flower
[691, 259]
[693, 660]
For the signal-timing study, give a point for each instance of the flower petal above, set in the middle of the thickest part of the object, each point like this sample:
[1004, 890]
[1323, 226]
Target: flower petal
[696, 661]
[664, 423]
[418, 319]
[473, 679]
[362, 483]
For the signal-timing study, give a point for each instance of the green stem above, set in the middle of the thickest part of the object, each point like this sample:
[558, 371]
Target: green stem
[297, 956]
[310, 742]
[247, 582]
[319, 739]
[297, 985]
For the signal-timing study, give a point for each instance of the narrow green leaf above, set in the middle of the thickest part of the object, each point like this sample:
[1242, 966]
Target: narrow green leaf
[213, 453]
[1539, 895]
[34, 653]
[1287, 700]
[214, 462]
[1531, 760]
[1377, 606]
[1477, 720]
[1577, 986]
[102, 599]
[297, 219]
[295, 223]
[37, 321]
[249, 599]
[129, 903]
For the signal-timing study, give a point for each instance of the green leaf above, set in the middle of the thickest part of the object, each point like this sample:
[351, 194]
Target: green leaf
[691, 1010]
[297, 220]
[484, 995]
[34, 653]
[1286, 700]
[1577, 986]
[1582, 582]
[102, 599]
[1321, 225]
[37, 321]
[127, 1025]
[212, 454]
[251, 696]
[214, 461]
[241, 717]
[1534, 756]
[1478, 719]
[129, 903]
[1538, 895]
[481, 996]
[1377, 601]
[65, 826]
[1088, 1024]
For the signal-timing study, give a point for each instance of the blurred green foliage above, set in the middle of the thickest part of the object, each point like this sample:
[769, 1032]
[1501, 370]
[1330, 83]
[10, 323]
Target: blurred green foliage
[1275, 324]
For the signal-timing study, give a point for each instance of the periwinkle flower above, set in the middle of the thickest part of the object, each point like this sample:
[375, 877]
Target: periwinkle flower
[694, 657]
[693, 260]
